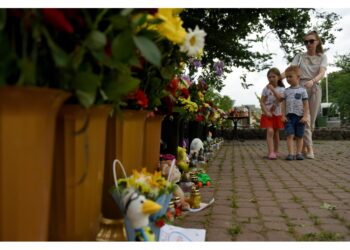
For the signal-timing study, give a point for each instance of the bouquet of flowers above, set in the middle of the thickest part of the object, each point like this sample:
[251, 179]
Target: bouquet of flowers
[153, 186]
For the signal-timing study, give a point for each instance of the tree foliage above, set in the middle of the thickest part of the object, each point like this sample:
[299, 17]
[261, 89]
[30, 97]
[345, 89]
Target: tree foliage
[339, 87]
[232, 33]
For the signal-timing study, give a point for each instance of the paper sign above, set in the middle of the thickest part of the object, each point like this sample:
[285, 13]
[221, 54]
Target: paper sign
[173, 233]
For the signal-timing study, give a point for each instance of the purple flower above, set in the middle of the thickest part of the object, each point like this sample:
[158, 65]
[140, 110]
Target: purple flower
[167, 157]
[219, 66]
[187, 79]
[201, 82]
[196, 63]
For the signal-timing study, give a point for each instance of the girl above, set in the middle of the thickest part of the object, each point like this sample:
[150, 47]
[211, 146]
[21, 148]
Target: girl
[270, 102]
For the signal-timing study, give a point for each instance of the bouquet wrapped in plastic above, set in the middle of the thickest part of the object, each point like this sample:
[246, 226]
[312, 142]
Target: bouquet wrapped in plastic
[153, 186]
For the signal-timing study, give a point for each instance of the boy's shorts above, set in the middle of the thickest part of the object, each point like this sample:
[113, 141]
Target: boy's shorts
[293, 127]
[271, 122]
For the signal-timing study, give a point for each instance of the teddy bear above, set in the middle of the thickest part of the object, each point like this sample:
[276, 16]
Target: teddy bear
[175, 177]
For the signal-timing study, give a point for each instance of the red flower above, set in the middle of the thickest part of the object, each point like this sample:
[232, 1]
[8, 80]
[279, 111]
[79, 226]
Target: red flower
[141, 98]
[185, 93]
[57, 19]
[199, 118]
[160, 222]
[173, 85]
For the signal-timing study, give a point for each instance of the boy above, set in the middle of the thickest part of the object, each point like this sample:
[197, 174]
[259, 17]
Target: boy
[295, 108]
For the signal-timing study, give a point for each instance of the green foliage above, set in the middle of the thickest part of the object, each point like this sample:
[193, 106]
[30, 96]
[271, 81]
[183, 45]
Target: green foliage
[339, 87]
[231, 34]
[323, 236]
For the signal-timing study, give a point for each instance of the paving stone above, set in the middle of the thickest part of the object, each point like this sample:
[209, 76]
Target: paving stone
[335, 228]
[319, 212]
[306, 230]
[250, 236]
[254, 227]
[281, 226]
[247, 212]
[270, 211]
[296, 213]
[279, 236]
[218, 209]
[218, 234]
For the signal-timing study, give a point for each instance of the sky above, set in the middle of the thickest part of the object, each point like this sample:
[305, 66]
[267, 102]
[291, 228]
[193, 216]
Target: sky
[233, 87]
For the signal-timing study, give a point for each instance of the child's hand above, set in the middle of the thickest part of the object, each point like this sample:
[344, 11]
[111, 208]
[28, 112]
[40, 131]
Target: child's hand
[284, 118]
[268, 114]
[304, 120]
[270, 86]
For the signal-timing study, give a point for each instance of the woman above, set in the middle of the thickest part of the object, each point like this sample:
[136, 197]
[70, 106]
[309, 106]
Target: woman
[313, 65]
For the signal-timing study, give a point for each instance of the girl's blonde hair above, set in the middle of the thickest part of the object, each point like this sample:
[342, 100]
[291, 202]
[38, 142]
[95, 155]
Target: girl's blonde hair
[319, 48]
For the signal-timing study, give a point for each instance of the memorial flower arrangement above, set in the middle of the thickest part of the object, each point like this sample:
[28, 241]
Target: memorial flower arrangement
[152, 186]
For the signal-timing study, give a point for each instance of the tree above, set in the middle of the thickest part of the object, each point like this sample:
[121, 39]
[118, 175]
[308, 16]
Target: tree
[339, 87]
[231, 34]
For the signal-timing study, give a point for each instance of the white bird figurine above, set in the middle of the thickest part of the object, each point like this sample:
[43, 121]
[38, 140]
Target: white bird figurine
[137, 208]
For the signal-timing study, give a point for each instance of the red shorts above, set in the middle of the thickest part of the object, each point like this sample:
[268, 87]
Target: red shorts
[271, 122]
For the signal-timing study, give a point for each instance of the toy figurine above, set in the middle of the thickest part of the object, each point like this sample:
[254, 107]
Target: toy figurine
[181, 160]
[203, 180]
[137, 208]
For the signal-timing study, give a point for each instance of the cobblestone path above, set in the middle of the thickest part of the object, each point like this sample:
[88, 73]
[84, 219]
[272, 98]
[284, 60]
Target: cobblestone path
[257, 199]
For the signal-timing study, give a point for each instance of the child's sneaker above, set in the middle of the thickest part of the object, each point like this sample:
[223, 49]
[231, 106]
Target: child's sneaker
[272, 156]
[300, 157]
[290, 157]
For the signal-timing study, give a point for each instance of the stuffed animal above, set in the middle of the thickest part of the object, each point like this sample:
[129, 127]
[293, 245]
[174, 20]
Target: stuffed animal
[196, 146]
[175, 177]
[181, 160]
[137, 208]
[197, 149]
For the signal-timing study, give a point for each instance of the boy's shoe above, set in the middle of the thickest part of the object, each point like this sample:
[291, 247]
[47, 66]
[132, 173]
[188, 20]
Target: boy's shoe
[272, 156]
[310, 155]
[290, 157]
[300, 157]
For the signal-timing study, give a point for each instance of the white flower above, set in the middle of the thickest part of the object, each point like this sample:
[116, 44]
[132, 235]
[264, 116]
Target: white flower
[194, 42]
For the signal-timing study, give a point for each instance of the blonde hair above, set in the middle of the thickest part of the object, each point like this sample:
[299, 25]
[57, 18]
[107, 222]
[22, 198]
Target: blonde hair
[293, 68]
[319, 48]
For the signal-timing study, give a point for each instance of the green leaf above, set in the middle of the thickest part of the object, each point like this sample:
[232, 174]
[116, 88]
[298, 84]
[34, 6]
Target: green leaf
[28, 70]
[155, 21]
[120, 86]
[77, 57]
[60, 57]
[2, 18]
[140, 20]
[85, 84]
[148, 49]
[126, 12]
[119, 22]
[123, 47]
[86, 99]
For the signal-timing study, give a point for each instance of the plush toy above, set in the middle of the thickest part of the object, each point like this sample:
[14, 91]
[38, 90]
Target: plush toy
[137, 208]
[175, 177]
[196, 147]
[181, 160]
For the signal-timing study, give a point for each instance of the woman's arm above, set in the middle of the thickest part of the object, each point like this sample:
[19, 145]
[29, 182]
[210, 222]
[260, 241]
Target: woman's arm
[316, 79]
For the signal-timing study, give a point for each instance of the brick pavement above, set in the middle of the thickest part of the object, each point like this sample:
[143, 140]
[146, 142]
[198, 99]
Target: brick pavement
[257, 199]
